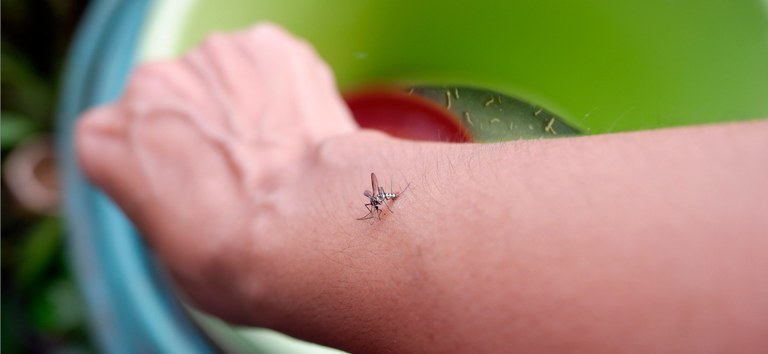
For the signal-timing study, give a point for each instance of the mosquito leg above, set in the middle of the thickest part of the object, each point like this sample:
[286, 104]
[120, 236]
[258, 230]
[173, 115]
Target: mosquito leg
[405, 189]
[370, 213]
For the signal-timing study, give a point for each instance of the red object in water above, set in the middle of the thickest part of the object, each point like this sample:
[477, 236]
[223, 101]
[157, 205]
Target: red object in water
[405, 116]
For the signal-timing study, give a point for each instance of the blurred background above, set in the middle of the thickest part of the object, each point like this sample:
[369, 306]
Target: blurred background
[42, 309]
[522, 70]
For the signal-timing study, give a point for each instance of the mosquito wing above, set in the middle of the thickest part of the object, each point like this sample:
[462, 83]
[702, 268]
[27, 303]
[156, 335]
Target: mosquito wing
[368, 194]
[374, 183]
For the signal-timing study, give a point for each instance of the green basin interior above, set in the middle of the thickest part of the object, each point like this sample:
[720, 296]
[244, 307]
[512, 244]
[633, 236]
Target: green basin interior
[601, 65]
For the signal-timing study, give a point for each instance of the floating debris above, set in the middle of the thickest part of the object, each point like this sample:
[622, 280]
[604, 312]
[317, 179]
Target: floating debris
[550, 127]
[469, 120]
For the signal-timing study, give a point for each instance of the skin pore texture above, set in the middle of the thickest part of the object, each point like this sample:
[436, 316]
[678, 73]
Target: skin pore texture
[243, 169]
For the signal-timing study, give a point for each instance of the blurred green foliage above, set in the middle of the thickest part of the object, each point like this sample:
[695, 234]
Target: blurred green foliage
[42, 309]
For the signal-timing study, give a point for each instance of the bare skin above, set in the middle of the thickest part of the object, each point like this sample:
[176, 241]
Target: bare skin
[653, 241]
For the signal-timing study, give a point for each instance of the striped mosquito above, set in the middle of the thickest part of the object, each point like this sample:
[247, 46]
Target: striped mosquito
[377, 198]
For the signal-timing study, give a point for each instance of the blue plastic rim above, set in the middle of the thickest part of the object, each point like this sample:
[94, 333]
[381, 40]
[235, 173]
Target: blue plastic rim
[131, 308]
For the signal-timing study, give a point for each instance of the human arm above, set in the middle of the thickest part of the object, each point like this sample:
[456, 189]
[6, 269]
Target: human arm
[648, 241]
[642, 241]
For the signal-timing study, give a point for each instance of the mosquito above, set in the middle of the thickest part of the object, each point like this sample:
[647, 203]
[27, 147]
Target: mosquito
[377, 198]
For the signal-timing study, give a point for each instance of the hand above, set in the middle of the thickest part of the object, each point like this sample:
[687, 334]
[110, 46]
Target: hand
[196, 148]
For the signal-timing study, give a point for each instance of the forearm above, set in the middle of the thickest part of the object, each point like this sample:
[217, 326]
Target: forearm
[640, 241]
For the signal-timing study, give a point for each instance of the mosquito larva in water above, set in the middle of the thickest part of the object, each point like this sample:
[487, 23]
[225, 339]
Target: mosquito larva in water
[456, 92]
[495, 120]
[536, 114]
[550, 127]
[448, 99]
[511, 125]
[489, 101]
[469, 120]
[410, 92]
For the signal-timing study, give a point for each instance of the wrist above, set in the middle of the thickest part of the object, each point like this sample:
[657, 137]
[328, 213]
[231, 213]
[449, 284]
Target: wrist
[328, 266]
